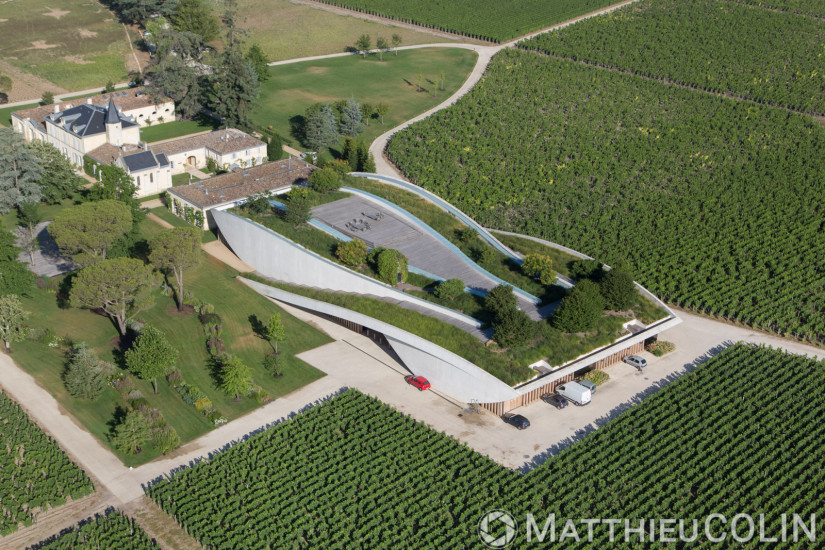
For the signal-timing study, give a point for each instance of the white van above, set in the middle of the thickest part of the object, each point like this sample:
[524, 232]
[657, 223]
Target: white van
[575, 392]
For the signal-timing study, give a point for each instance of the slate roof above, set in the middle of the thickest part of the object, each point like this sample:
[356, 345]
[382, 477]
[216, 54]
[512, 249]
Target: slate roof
[240, 184]
[111, 113]
[127, 100]
[220, 141]
[140, 161]
[162, 160]
[88, 120]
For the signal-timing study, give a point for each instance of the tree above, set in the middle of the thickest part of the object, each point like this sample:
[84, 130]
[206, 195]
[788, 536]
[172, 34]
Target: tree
[110, 87]
[84, 376]
[258, 203]
[59, 180]
[580, 309]
[586, 269]
[396, 42]
[236, 378]
[131, 433]
[382, 46]
[363, 157]
[299, 203]
[120, 287]
[20, 172]
[512, 327]
[369, 164]
[47, 98]
[449, 289]
[275, 330]
[259, 61]
[116, 184]
[12, 316]
[391, 266]
[618, 289]
[29, 216]
[151, 355]
[367, 112]
[351, 118]
[86, 231]
[15, 277]
[363, 44]
[539, 266]
[274, 147]
[352, 253]
[196, 16]
[500, 298]
[349, 153]
[320, 129]
[234, 85]
[382, 109]
[324, 180]
[173, 76]
[176, 250]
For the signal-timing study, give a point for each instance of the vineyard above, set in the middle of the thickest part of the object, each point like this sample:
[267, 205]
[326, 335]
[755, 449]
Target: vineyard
[114, 530]
[719, 46]
[36, 473]
[483, 19]
[716, 204]
[353, 473]
[815, 8]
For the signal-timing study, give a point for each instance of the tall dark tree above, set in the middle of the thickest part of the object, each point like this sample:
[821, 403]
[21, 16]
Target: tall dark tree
[320, 129]
[259, 61]
[20, 172]
[15, 277]
[351, 118]
[234, 85]
[196, 16]
[174, 77]
[59, 180]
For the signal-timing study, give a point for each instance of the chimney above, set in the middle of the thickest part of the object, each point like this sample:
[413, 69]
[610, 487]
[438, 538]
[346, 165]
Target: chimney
[57, 107]
[88, 101]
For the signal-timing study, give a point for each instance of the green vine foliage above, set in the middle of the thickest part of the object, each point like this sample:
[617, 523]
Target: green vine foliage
[716, 204]
[330, 477]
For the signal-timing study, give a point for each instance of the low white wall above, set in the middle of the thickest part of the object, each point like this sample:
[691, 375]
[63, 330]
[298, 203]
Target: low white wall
[279, 258]
[445, 370]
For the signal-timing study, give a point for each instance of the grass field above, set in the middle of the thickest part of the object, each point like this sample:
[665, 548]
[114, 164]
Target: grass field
[211, 282]
[292, 88]
[287, 31]
[672, 456]
[75, 44]
[163, 213]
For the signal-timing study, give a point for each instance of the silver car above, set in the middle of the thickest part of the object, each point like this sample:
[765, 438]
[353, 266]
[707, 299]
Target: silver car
[589, 385]
[636, 361]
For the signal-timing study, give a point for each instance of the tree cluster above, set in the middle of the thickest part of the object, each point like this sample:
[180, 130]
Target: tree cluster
[511, 326]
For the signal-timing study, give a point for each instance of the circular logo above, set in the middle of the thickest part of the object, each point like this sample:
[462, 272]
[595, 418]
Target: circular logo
[497, 529]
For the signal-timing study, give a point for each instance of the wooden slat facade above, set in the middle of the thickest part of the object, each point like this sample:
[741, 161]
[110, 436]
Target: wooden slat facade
[502, 407]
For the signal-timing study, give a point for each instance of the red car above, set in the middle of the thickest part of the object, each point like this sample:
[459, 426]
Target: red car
[418, 381]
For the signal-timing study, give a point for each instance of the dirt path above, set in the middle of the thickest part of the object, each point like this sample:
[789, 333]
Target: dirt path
[385, 20]
[159, 221]
[132, 49]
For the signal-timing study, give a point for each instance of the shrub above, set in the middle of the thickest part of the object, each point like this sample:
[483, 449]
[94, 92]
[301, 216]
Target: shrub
[585, 269]
[499, 299]
[138, 404]
[299, 203]
[352, 253]
[165, 438]
[540, 267]
[271, 364]
[512, 327]
[203, 404]
[449, 289]
[466, 235]
[258, 203]
[325, 180]
[391, 266]
[618, 290]
[175, 378]
[580, 308]
[598, 377]
[660, 347]
[341, 166]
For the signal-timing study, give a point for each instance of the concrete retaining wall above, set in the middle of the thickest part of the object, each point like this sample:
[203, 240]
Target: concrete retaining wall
[277, 257]
[445, 370]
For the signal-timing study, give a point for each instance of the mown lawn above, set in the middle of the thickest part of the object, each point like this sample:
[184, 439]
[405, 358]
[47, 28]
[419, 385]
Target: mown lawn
[163, 213]
[286, 30]
[292, 88]
[211, 282]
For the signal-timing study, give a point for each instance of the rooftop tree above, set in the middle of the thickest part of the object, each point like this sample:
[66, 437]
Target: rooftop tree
[120, 288]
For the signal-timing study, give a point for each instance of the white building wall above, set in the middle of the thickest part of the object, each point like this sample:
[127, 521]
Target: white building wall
[153, 113]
